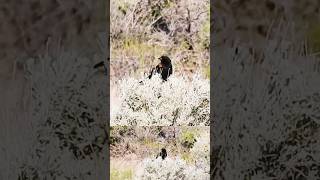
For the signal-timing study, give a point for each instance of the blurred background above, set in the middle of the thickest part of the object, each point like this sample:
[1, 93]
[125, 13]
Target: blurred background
[266, 69]
[129, 146]
[53, 103]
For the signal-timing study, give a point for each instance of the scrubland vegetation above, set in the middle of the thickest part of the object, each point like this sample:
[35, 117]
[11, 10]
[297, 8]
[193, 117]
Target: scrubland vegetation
[142, 31]
[179, 101]
[134, 151]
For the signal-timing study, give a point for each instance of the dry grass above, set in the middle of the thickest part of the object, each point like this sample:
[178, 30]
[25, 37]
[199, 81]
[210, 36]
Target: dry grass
[139, 36]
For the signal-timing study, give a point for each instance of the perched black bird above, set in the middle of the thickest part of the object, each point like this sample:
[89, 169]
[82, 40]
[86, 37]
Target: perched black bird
[163, 154]
[164, 68]
[101, 64]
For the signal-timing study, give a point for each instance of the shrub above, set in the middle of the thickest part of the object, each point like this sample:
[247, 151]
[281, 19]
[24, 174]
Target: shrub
[188, 139]
[118, 132]
[143, 30]
[201, 152]
[169, 169]
[177, 101]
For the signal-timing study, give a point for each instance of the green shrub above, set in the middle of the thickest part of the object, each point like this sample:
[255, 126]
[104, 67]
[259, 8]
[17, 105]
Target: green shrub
[188, 139]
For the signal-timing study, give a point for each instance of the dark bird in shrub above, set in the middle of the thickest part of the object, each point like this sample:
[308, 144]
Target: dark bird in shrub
[163, 154]
[164, 68]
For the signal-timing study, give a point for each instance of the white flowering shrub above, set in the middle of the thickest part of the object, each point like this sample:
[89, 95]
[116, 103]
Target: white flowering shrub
[169, 169]
[177, 101]
[201, 152]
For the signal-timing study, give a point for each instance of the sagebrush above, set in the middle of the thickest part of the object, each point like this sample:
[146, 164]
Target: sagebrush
[178, 101]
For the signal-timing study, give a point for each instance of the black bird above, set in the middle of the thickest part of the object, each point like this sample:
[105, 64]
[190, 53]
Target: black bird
[164, 68]
[163, 154]
[101, 64]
